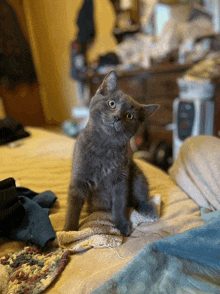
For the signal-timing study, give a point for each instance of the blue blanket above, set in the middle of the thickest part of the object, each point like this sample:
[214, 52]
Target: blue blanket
[184, 263]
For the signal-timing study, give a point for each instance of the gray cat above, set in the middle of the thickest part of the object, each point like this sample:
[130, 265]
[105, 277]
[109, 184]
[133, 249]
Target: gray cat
[103, 173]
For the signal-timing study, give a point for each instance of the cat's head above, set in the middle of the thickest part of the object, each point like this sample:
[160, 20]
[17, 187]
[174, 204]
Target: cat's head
[114, 112]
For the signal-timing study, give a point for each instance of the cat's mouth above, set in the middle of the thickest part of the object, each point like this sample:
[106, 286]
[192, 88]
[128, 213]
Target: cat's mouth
[115, 129]
[115, 125]
[112, 126]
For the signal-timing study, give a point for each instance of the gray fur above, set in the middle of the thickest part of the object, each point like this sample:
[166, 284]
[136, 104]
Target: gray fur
[103, 173]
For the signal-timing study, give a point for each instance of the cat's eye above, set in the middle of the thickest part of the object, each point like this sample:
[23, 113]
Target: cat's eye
[129, 116]
[111, 104]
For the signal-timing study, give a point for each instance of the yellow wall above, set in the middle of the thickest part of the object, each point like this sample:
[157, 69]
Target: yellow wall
[51, 28]
[104, 18]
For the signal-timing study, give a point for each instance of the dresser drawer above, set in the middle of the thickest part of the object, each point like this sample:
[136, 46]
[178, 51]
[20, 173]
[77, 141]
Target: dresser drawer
[163, 85]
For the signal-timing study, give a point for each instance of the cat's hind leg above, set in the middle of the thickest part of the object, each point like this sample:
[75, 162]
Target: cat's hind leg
[139, 193]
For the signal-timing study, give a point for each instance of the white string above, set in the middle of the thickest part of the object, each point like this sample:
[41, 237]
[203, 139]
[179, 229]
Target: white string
[115, 251]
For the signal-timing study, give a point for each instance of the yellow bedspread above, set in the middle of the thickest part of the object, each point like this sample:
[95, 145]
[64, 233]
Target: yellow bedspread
[43, 163]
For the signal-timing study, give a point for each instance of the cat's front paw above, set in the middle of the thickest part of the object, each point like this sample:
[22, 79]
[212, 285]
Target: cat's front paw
[150, 212]
[70, 227]
[124, 227]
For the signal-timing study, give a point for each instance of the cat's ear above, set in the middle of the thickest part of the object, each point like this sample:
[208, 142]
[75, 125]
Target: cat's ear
[148, 110]
[109, 84]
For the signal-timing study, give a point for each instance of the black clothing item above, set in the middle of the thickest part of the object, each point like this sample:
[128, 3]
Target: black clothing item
[108, 59]
[36, 226]
[12, 211]
[24, 214]
[16, 62]
[11, 130]
[85, 22]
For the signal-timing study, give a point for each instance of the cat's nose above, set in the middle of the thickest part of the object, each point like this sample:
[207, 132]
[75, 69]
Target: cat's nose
[116, 117]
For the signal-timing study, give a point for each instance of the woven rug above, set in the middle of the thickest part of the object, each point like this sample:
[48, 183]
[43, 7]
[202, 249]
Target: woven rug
[31, 270]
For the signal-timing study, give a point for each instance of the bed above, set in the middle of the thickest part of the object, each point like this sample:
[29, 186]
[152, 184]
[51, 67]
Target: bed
[97, 258]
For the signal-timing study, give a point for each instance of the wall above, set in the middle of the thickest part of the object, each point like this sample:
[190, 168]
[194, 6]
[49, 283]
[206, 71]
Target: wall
[51, 28]
[104, 18]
